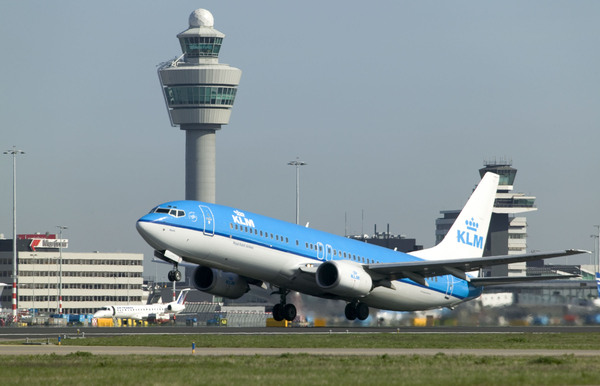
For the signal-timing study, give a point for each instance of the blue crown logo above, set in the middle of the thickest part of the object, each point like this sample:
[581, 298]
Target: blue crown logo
[472, 225]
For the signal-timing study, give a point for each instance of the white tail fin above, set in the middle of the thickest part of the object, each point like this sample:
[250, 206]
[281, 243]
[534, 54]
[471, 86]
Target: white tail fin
[467, 236]
[182, 296]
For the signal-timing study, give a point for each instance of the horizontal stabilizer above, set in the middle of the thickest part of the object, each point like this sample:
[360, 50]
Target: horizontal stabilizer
[498, 280]
[456, 267]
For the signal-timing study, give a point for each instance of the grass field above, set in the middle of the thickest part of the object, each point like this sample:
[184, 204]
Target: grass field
[575, 341]
[300, 369]
[85, 369]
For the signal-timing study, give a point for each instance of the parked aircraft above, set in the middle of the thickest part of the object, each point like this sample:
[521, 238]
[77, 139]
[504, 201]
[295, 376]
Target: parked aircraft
[235, 248]
[142, 312]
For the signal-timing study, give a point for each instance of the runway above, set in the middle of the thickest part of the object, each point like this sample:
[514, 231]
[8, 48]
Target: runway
[22, 334]
[12, 333]
[137, 350]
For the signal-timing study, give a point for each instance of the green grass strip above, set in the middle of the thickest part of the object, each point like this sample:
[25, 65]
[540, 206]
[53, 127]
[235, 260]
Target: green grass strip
[574, 341]
[83, 368]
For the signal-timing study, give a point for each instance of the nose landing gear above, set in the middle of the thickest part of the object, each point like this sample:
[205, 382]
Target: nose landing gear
[175, 274]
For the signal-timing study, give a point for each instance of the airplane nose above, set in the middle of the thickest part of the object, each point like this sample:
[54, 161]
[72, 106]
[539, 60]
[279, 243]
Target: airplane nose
[148, 232]
[141, 228]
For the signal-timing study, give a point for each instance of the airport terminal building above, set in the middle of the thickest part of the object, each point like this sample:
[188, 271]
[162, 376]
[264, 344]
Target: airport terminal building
[88, 280]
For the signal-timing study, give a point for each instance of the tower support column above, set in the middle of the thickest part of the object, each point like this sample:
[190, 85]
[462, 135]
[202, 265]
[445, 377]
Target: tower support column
[200, 164]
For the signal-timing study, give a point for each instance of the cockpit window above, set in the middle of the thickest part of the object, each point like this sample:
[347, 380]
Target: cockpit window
[170, 212]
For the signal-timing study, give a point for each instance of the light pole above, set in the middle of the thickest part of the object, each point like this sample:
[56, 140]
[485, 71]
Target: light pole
[595, 237]
[297, 163]
[596, 250]
[33, 259]
[14, 152]
[60, 229]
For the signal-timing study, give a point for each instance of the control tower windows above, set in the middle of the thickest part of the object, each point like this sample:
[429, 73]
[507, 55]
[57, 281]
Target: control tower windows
[200, 95]
[201, 46]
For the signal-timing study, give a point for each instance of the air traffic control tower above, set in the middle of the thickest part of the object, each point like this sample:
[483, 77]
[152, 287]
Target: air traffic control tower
[199, 93]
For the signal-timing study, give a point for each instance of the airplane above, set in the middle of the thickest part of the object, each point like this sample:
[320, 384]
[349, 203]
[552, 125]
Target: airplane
[141, 312]
[235, 249]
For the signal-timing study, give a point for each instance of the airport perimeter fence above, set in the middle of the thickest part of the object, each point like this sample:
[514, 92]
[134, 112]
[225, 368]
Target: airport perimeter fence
[213, 314]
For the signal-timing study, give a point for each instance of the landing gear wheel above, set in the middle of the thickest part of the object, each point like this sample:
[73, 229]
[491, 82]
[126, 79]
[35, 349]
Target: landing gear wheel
[174, 275]
[358, 311]
[350, 311]
[289, 312]
[362, 311]
[278, 312]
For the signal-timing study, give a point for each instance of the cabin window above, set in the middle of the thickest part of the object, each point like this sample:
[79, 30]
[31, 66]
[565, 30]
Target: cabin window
[231, 225]
[287, 240]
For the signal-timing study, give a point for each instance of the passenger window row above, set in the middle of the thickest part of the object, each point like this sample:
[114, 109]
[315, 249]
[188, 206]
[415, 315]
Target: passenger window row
[311, 246]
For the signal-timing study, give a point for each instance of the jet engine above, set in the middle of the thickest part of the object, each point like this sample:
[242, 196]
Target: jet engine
[219, 283]
[344, 279]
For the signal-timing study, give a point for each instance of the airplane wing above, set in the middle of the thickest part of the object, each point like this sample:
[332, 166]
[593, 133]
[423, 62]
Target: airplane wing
[419, 270]
[487, 281]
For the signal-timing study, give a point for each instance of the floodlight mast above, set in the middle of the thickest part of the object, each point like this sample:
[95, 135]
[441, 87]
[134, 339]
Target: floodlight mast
[14, 152]
[297, 163]
[59, 309]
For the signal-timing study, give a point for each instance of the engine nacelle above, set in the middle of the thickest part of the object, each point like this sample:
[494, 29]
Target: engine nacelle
[219, 283]
[344, 279]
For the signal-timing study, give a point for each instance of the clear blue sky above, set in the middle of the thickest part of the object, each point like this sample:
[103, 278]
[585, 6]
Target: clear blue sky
[394, 106]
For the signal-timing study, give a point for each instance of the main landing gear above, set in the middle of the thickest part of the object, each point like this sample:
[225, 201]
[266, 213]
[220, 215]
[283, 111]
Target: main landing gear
[283, 310]
[175, 274]
[356, 310]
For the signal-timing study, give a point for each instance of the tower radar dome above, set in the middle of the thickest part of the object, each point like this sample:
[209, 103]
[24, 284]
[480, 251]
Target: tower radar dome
[201, 18]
